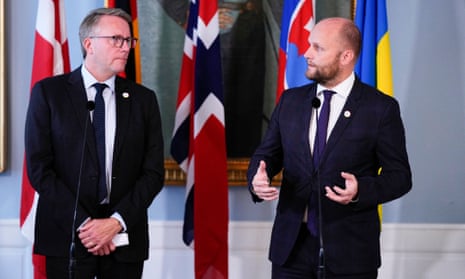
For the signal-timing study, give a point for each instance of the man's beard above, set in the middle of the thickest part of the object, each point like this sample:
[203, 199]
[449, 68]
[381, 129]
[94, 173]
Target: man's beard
[323, 74]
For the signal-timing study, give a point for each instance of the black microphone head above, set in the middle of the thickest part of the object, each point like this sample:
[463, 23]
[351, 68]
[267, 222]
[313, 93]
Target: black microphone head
[316, 102]
[90, 105]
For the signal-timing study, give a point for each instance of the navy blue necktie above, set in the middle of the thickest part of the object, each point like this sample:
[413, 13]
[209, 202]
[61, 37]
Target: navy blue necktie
[318, 148]
[99, 128]
[322, 128]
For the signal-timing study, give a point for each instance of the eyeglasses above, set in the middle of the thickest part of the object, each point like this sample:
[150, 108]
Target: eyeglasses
[118, 41]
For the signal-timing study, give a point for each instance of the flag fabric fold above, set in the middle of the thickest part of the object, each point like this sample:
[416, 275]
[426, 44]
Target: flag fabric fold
[198, 142]
[51, 57]
[374, 65]
[296, 24]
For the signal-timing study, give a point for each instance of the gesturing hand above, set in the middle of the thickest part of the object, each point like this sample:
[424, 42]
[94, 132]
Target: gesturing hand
[344, 195]
[261, 184]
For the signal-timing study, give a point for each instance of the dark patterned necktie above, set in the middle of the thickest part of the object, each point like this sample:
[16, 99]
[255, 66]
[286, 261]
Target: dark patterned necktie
[318, 148]
[99, 128]
[322, 128]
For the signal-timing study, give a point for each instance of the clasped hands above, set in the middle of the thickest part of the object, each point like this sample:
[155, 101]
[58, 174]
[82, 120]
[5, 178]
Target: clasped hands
[263, 190]
[97, 234]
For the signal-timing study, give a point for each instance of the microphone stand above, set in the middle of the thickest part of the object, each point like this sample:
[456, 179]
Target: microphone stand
[72, 248]
[321, 254]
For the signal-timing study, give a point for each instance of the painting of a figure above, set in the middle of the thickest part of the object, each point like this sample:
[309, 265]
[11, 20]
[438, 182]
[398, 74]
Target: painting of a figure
[242, 37]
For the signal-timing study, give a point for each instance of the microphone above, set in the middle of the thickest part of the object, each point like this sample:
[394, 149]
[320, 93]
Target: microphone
[321, 255]
[316, 103]
[90, 106]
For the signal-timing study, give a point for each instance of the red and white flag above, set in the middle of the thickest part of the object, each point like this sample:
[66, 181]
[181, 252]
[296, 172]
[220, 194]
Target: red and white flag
[51, 57]
[199, 145]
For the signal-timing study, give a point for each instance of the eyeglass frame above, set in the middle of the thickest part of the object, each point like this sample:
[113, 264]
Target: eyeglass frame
[130, 41]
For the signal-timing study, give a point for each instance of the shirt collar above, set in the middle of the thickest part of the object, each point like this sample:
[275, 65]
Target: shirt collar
[342, 88]
[90, 80]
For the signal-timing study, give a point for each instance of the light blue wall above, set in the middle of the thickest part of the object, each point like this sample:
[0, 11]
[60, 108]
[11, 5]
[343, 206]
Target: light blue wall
[428, 55]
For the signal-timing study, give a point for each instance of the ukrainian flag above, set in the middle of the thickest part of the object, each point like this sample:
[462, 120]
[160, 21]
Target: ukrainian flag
[374, 65]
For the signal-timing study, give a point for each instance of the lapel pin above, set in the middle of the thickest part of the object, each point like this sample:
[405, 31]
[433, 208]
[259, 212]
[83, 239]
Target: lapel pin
[347, 114]
[125, 95]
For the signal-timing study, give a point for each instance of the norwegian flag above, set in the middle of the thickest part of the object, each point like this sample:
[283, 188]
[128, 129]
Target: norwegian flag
[51, 57]
[198, 143]
[296, 24]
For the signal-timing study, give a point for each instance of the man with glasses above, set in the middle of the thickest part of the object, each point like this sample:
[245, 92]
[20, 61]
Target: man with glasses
[94, 153]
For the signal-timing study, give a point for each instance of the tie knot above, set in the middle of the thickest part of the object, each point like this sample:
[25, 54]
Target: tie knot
[328, 94]
[99, 87]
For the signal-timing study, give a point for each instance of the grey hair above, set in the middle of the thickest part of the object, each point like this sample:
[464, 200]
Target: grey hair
[91, 20]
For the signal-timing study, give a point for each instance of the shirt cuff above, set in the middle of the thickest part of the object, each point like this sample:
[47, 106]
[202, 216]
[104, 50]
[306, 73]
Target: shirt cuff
[118, 217]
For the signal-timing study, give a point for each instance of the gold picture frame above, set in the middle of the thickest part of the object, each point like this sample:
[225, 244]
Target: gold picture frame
[237, 172]
[3, 108]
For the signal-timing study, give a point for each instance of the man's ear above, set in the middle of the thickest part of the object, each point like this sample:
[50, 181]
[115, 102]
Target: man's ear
[87, 45]
[347, 56]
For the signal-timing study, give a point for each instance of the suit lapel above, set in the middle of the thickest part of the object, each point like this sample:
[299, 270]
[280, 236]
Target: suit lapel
[123, 96]
[78, 97]
[347, 113]
[306, 115]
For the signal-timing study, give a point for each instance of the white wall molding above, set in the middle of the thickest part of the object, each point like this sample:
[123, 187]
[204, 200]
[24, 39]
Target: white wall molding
[419, 251]
[423, 251]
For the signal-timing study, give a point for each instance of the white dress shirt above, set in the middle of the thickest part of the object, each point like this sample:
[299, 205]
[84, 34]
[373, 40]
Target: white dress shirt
[337, 103]
[110, 130]
[110, 118]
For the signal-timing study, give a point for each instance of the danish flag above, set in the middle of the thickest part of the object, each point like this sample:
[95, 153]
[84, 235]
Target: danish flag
[51, 57]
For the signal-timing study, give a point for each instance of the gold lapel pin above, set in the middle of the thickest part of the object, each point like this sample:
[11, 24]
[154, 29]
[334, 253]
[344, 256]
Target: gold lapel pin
[125, 95]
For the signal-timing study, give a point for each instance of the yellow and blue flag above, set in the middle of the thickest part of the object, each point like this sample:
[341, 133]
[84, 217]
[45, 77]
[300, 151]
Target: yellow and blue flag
[374, 65]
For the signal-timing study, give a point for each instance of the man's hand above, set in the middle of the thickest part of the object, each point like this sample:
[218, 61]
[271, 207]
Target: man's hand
[97, 234]
[105, 250]
[261, 184]
[347, 195]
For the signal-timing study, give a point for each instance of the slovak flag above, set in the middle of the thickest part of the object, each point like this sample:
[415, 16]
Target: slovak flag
[296, 24]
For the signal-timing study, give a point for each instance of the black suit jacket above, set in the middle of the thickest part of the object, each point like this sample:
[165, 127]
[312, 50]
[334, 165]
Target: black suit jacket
[54, 137]
[369, 134]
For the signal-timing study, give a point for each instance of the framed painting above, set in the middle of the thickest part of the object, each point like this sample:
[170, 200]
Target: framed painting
[162, 25]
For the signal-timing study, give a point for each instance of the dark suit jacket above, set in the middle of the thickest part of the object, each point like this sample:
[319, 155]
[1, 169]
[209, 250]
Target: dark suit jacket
[372, 136]
[54, 137]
